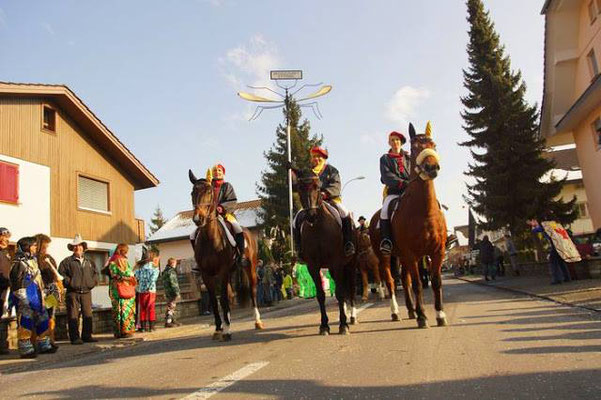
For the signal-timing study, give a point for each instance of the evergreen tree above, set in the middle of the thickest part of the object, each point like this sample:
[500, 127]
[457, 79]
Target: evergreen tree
[273, 189]
[157, 220]
[508, 163]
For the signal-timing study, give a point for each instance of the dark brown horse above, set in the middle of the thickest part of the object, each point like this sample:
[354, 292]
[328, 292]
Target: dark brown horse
[368, 261]
[321, 237]
[419, 228]
[214, 257]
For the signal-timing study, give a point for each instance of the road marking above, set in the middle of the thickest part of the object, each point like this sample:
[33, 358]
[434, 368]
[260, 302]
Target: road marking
[227, 381]
[364, 306]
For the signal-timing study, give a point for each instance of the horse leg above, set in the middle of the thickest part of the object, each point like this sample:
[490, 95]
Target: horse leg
[365, 281]
[378, 281]
[394, 307]
[422, 320]
[210, 283]
[351, 293]
[225, 307]
[436, 279]
[339, 279]
[407, 288]
[253, 297]
[324, 328]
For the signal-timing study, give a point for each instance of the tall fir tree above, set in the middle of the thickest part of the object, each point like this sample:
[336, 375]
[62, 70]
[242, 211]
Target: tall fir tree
[273, 188]
[504, 141]
[157, 220]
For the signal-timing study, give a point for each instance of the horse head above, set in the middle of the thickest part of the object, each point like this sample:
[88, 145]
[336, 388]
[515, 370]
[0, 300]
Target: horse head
[308, 186]
[424, 158]
[202, 199]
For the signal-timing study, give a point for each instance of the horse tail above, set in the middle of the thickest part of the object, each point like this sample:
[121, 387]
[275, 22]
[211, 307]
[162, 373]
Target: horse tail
[242, 287]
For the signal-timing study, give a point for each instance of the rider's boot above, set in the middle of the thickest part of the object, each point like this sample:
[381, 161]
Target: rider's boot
[241, 259]
[347, 236]
[386, 242]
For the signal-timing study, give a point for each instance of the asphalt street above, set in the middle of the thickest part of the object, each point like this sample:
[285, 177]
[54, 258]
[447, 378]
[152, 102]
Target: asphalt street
[499, 345]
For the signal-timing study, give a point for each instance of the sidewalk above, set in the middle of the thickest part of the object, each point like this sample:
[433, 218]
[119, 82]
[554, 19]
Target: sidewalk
[106, 342]
[585, 293]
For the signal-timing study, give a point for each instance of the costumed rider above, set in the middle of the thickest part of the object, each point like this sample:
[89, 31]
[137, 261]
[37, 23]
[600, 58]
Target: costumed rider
[225, 198]
[330, 191]
[394, 174]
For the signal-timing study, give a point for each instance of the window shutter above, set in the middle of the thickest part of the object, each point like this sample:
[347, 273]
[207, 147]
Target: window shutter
[93, 194]
[9, 182]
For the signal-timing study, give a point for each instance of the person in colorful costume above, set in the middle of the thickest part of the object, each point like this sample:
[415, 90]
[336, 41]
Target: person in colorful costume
[146, 276]
[307, 289]
[172, 292]
[28, 292]
[225, 198]
[121, 271]
[394, 174]
[330, 191]
[5, 264]
[53, 282]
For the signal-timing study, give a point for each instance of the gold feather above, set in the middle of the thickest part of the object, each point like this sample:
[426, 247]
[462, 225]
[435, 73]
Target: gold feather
[209, 175]
[428, 129]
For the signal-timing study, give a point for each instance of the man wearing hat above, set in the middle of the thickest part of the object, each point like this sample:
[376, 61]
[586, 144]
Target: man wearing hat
[80, 277]
[5, 264]
[330, 190]
[362, 224]
[394, 174]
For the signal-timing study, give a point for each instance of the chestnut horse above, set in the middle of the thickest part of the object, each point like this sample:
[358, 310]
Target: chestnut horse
[214, 257]
[419, 228]
[368, 261]
[321, 237]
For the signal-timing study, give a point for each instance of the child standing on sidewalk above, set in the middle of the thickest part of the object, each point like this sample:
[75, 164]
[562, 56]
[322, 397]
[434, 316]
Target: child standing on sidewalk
[172, 292]
[147, 276]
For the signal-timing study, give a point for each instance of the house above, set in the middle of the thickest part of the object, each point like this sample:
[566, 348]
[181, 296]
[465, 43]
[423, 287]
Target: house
[63, 172]
[173, 238]
[571, 107]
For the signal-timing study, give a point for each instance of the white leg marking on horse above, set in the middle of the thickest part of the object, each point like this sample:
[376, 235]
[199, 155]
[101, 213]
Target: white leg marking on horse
[227, 381]
[354, 312]
[345, 309]
[440, 314]
[257, 315]
[394, 307]
[381, 291]
[226, 329]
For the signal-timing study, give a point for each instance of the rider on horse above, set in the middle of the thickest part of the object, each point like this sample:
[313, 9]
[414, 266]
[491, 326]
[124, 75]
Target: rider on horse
[330, 191]
[225, 200]
[394, 174]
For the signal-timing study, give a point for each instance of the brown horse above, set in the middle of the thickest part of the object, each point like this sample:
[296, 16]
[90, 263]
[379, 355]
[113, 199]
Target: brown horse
[368, 261]
[321, 237]
[419, 228]
[214, 257]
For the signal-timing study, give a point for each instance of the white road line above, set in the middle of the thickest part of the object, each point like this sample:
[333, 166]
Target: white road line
[364, 306]
[227, 381]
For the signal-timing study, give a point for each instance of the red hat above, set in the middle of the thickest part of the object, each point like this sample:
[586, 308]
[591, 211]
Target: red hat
[399, 135]
[220, 166]
[319, 150]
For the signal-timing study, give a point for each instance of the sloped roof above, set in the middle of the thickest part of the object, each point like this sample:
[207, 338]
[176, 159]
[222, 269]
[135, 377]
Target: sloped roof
[181, 226]
[141, 177]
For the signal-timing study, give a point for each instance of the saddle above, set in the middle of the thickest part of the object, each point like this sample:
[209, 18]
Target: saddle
[334, 211]
[228, 230]
[393, 207]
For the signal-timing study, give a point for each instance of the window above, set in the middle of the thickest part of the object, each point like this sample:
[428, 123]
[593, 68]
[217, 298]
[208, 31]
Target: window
[92, 194]
[592, 63]
[9, 183]
[48, 118]
[596, 130]
[592, 11]
[99, 258]
[582, 210]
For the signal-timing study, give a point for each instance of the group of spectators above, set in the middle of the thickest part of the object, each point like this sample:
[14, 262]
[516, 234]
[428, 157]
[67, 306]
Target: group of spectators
[34, 285]
[273, 284]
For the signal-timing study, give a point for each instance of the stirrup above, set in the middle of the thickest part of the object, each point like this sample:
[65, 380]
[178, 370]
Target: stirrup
[386, 246]
[349, 249]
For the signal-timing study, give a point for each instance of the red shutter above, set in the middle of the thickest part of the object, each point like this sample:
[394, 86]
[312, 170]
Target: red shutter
[9, 182]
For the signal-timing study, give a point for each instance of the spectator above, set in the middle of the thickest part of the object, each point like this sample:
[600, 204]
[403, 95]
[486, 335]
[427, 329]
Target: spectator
[79, 277]
[27, 286]
[499, 261]
[146, 276]
[53, 283]
[287, 284]
[268, 281]
[278, 282]
[260, 277]
[172, 293]
[487, 258]
[513, 254]
[122, 285]
[5, 262]
[362, 224]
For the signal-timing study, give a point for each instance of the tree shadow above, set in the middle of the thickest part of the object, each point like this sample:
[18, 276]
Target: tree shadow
[110, 392]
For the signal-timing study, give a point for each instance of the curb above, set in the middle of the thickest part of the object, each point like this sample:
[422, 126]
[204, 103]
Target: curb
[538, 296]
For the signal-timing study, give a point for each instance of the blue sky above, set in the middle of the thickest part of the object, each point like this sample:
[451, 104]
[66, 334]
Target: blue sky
[163, 76]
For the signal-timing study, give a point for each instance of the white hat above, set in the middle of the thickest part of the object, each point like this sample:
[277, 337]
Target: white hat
[77, 241]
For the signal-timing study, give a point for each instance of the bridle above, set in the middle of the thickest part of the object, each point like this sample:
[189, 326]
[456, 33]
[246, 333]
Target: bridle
[211, 214]
[306, 182]
[419, 169]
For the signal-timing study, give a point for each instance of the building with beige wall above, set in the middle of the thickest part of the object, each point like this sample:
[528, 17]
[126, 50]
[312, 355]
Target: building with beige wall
[571, 107]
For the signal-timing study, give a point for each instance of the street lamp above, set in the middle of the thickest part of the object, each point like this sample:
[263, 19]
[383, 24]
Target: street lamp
[358, 178]
[284, 101]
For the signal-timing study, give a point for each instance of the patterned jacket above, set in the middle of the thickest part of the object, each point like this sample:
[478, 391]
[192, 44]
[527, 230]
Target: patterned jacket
[170, 282]
[147, 276]
[26, 282]
[396, 181]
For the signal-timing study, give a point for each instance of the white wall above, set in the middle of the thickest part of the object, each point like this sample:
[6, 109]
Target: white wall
[178, 249]
[32, 214]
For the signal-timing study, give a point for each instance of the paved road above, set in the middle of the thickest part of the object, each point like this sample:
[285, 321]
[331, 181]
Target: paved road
[499, 345]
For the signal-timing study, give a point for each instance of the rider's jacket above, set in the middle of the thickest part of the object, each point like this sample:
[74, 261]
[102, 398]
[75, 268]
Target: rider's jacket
[224, 194]
[394, 172]
[330, 182]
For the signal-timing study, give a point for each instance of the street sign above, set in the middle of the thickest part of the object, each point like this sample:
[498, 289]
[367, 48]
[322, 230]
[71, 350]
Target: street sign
[288, 74]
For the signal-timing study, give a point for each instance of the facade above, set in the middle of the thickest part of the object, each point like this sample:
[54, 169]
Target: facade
[63, 172]
[173, 238]
[571, 107]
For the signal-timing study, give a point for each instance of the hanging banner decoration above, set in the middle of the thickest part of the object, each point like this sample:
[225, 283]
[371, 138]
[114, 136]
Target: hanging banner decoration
[561, 240]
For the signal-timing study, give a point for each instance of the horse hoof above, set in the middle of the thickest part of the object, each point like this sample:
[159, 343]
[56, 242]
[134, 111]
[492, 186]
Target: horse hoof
[324, 331]
[395, 317]
[363, 299]
[422, 323]
[227, 337]
[259, 325]
[344, 330]
[412, 315]
[442, 321]
[354, 321]
[217, 335]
